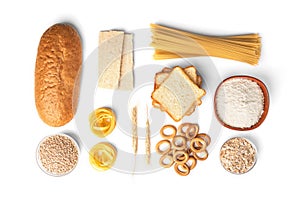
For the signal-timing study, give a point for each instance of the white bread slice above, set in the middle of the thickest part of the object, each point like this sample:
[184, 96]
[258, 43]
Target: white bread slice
[190, 71]
[161, 76]
[110, 52]
[178, 95]
[126, 77]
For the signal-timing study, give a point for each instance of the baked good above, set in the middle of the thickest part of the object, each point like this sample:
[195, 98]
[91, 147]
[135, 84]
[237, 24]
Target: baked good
[178, 95]
[161, 76]
[116, 60]
[126, 76]
[190, 71]
[57, 74]
[110, 54]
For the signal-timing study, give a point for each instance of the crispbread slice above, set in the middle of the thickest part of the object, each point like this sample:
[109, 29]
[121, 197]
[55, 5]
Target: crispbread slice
[126, 77]
[110, 51]
[178, 95]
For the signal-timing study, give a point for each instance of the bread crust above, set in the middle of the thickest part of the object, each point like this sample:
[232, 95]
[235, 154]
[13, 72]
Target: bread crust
[57, 74]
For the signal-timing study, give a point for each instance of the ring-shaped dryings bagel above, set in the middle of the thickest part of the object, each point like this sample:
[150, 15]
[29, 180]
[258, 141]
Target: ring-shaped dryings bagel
[168, 136]
[180, 157]
[205, 137]
[191, 162]
[182, 169]
[183, 128]
[157, 147]
[179, 142]
[192, 131]
[202, 157]
[172, 152]
[198, 145]
[163, 158]
[189, 151]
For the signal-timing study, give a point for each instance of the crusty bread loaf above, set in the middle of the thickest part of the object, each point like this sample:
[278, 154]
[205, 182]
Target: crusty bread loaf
[57, 74]
[110, 54]
[178, 95]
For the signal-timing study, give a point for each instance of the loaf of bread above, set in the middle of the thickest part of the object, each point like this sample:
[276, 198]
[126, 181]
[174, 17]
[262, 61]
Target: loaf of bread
[57, 74]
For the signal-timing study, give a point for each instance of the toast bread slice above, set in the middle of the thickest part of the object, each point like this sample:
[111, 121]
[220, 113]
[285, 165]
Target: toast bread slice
[190, 71]
[178, 95]
[161, 76]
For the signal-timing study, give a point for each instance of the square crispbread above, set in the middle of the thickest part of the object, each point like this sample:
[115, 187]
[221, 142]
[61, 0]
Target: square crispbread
[110, 54]
[126, 77]
[178, 95]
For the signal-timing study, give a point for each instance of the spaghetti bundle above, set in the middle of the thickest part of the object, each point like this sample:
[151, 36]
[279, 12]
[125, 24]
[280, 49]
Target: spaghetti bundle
[173, 43]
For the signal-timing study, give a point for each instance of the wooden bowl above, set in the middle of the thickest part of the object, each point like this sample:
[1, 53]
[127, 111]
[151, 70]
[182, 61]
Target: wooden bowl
[266, 103]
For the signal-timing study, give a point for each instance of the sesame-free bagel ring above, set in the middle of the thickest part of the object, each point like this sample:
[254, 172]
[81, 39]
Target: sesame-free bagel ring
[198, 145]
[201, 156]
[179, 142]
[159, 150]
[168, 136]
[182, 169]
[191, 162]
[183, 128]
[180, 157]
[192, 131]
[205, 137]
[166, 157]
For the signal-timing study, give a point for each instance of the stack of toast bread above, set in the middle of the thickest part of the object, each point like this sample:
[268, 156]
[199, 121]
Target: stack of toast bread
[177, 91]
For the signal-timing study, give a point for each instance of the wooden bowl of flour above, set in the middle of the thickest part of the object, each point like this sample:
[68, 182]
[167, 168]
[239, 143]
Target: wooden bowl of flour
[241, 103]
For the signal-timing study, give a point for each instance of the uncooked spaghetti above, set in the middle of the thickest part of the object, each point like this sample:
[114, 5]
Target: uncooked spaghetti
[173, 43]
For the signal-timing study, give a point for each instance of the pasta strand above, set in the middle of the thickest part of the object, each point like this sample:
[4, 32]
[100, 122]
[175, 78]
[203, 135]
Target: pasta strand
[173, 43]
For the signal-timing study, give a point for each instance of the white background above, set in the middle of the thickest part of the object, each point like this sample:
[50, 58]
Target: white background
[22, 24]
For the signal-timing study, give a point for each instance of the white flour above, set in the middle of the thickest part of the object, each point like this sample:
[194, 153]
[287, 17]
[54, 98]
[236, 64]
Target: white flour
[240, 102]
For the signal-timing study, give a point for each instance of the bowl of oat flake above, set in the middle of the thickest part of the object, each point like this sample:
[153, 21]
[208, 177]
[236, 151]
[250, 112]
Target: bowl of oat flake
[58, 154]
